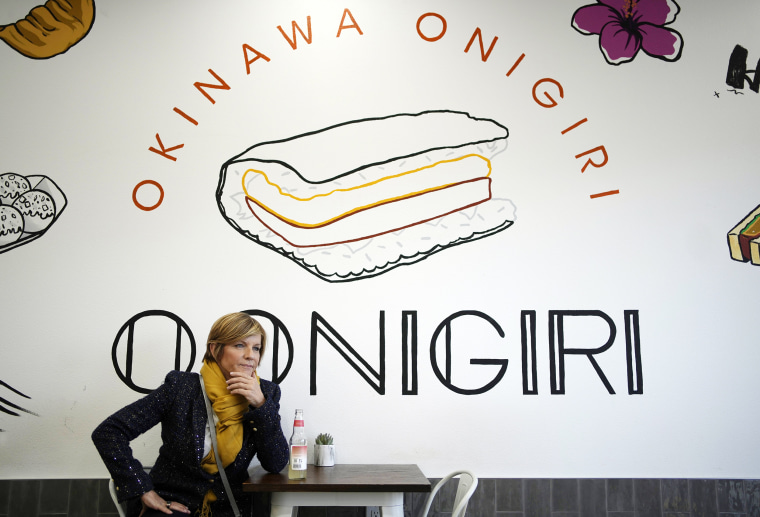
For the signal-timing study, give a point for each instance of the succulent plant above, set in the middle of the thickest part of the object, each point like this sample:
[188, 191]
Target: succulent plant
[324, 439]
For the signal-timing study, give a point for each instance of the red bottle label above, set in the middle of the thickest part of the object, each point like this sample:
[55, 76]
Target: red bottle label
[298, 457]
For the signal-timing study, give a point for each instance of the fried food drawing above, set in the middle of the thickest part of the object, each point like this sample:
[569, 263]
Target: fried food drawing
[51, 29]
[28, 206]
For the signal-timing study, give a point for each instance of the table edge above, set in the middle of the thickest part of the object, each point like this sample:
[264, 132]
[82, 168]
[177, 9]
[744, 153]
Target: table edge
[302, 487]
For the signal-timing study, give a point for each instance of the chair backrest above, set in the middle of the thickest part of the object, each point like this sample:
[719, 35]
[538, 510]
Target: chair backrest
[120, 507]
[467, 484]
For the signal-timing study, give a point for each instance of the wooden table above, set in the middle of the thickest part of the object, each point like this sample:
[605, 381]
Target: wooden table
[341, 485]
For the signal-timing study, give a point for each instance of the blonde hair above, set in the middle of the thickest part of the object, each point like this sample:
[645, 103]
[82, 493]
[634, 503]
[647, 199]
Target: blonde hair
[230, 329]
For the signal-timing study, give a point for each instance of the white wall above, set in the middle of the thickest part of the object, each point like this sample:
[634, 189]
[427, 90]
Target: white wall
[682, 153]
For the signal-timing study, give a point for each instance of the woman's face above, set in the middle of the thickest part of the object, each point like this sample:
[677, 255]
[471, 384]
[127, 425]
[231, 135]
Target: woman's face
[242, 356]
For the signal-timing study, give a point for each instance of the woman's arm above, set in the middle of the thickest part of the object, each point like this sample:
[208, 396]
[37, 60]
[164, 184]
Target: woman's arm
[112, 438]
[271, 444]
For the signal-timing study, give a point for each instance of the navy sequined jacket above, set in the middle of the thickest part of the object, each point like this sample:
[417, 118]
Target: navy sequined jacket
[179, 407]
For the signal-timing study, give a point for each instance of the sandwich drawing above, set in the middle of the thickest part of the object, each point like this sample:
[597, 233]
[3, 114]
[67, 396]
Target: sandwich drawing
[357, 199]
[744, 239]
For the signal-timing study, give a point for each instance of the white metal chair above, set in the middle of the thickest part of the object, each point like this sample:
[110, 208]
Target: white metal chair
[120, 507]
[465, 488]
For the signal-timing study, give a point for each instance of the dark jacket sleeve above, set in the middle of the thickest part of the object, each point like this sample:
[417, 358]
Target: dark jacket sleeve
[269, 441]
[112, 438]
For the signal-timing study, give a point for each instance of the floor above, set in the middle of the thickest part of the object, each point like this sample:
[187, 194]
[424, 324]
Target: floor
[493, 498]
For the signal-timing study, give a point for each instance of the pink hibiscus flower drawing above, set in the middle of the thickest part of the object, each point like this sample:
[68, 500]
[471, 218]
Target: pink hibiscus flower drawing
[627, 26]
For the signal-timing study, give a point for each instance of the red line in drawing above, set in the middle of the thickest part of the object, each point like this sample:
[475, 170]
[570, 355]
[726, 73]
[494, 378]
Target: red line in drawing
[160, 196]
[186, 116]
[575, 125]
[519, 60]
[602, 194]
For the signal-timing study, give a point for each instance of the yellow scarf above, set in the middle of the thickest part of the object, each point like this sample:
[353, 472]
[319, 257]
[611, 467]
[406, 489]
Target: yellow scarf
[229, 409]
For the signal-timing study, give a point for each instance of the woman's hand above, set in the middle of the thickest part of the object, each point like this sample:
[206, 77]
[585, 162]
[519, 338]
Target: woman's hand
[247, 386]
[155, 502]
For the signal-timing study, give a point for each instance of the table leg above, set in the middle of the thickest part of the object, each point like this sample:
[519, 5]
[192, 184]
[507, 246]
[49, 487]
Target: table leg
[284, 511]
[392, 511]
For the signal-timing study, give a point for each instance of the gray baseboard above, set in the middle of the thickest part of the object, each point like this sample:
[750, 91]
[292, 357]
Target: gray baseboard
[493, 498]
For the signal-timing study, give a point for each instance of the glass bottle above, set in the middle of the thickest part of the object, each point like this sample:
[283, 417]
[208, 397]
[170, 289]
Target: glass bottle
[298, 448]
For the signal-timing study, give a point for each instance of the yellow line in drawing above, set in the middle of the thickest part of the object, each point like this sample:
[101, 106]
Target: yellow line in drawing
[357, 209]
[266, 178]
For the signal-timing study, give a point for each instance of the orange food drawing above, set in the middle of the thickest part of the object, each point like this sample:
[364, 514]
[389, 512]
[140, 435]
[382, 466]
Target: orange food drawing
[51, 29]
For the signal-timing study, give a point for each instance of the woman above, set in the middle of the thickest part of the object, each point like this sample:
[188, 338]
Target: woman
[185, 477]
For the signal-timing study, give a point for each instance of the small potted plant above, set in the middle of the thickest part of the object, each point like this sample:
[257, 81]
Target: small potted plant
[324, 451]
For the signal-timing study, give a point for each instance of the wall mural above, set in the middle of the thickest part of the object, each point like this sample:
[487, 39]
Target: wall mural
[303, 215]
[50, 29]
[738, 73]
[28, 206]
[389, 200]
[325, 334]
[625, 27]
[744, 238]
[546, 92]
[8, 407]
[127, 333]
[185, 341]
